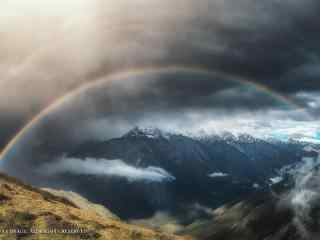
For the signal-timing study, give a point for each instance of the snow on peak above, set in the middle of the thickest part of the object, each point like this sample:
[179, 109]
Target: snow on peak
[148, 132]
[230, 137]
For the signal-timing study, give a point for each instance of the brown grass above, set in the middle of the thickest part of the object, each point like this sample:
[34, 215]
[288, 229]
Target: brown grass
[25, 207]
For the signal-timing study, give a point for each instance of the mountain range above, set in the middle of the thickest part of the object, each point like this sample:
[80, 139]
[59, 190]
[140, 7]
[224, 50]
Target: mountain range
[147, 171]
[151, 184]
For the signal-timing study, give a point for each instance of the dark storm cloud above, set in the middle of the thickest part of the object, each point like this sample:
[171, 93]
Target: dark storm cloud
[9, 126]
[262, 40]
[170, 95]
[112, 108]
[275, 43]
[172, 92]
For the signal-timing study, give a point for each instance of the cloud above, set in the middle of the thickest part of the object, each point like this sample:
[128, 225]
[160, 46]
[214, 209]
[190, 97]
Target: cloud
[304, 197]
[218, 175]
[105, 167]
[303, 200]
[176, 222]
[311, 100]
[161, 220]
[277, 124]
[77, 42]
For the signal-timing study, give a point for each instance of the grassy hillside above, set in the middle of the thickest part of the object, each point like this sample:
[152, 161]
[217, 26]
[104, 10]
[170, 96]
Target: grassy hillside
[23, 208]
[82, 202]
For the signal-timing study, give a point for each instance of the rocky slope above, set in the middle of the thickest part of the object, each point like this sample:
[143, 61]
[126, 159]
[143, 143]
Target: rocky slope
[23, 208]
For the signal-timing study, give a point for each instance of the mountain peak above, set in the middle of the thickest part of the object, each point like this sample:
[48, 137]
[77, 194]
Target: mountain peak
[247, 138]
[148, 132]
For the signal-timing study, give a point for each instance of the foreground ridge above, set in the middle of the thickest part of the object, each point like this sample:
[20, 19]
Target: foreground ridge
[25, 210]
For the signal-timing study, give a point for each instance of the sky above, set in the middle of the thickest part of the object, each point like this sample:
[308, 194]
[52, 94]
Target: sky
[49, 48]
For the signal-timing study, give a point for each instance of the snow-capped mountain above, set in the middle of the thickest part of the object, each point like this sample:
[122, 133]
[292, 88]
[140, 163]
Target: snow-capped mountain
[209, 170]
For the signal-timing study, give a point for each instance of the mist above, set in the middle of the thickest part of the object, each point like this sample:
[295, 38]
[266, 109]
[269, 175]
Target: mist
[105, 167]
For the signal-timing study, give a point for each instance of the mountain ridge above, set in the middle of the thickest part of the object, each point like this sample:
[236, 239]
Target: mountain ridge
[30, 213]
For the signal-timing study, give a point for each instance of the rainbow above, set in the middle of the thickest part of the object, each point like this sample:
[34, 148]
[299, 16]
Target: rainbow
[134, 72]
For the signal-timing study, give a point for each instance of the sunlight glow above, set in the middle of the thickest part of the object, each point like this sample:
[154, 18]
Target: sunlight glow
[56, 8]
